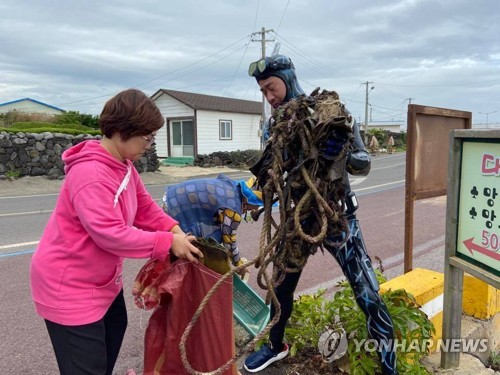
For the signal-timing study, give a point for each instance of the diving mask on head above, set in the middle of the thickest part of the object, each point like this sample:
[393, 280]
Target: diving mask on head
[275, 62]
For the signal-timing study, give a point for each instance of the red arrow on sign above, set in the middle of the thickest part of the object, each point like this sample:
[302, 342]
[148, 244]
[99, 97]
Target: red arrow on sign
[470, 245]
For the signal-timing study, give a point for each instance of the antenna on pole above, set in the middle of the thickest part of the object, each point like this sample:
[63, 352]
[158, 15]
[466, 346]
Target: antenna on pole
[276, 48]
[366, 109]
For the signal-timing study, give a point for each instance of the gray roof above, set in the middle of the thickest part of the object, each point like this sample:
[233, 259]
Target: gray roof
[213, 103]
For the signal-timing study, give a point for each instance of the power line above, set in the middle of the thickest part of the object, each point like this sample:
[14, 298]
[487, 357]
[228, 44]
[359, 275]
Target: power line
[282, 16]
[166, 74]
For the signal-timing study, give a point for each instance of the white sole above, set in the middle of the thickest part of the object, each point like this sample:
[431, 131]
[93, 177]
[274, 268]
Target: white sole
[279, 357]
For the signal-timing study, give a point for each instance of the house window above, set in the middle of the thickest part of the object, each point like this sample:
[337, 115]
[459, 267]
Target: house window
[225, 129]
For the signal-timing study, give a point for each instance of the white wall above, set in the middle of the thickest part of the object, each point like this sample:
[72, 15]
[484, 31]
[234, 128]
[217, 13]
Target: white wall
[27, 106]
[392, 128]
[245, 128]
[245, 132]
[169, 107]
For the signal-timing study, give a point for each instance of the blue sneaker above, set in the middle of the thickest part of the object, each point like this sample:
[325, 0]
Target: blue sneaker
[259, 360]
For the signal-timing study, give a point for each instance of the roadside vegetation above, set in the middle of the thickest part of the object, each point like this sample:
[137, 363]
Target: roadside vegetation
[67, 123]
[315, 314]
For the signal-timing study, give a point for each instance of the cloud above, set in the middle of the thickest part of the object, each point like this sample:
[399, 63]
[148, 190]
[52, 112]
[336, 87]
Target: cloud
[77, 54]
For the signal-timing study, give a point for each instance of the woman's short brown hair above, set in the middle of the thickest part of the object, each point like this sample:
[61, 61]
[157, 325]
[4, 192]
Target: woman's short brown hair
[130, 113]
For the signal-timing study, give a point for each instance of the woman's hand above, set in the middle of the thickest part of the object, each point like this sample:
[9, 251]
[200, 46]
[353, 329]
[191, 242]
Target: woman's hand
[183, 249]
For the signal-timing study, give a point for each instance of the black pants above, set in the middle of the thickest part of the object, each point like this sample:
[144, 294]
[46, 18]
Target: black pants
[90, 349]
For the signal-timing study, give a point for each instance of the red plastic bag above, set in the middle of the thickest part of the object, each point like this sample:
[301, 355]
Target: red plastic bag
[179, 289]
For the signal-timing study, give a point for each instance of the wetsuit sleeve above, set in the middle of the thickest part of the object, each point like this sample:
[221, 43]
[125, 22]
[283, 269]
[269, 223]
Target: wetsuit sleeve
[230, 221]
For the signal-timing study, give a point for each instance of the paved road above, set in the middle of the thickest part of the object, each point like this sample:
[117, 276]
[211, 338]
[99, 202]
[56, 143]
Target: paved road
[25, 346]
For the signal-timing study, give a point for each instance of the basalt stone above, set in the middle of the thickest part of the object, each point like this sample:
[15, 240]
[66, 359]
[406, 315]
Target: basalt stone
[37, 171]
[39, 146]
[33, 153]
[39, 154]
[23, 156]
[20, 142]
[59, 163]
[54, 173]
[58, 149]
[5, 143]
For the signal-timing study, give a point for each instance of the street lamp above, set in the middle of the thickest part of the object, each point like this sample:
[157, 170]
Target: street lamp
[487, 115]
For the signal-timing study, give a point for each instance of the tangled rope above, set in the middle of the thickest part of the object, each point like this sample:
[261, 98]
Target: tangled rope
[307, 182]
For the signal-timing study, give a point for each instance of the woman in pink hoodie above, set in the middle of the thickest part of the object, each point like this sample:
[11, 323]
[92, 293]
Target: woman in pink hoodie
[103, 215]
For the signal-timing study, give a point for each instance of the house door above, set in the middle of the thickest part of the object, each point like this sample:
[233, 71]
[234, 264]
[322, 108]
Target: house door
[182, 138]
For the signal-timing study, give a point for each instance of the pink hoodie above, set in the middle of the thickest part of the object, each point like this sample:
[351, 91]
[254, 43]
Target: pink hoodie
[103, 215]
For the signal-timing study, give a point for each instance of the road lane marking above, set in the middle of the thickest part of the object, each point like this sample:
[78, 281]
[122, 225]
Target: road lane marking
[26, 213]
[389, 166]
[377, 186]
[357, 181]
[5, 255]
[11, 246]
[29, 196]
[16, 245]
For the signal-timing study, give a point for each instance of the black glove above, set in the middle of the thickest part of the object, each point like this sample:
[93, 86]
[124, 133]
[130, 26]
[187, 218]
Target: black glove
[333, 146]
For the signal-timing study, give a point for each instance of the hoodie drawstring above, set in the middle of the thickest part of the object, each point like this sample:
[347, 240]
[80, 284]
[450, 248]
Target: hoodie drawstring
[123, 185]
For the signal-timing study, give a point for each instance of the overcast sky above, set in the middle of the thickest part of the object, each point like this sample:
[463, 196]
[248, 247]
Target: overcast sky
[76, 54]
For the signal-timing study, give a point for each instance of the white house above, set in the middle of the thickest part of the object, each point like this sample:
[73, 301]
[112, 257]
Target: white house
[30, 106]
[392, 126]
[201, 124]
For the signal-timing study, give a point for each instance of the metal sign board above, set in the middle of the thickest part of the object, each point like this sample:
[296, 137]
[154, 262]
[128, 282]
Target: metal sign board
[426, 160]
[472, 224]
[427, 153]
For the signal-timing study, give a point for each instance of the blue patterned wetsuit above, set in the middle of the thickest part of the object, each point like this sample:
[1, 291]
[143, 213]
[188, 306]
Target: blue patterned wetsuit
[207, 207]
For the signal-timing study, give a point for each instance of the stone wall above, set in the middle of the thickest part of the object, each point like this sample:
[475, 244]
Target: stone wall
[39, 154]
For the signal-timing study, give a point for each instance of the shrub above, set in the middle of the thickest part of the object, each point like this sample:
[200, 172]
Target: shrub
[313, 315]
[41, 127]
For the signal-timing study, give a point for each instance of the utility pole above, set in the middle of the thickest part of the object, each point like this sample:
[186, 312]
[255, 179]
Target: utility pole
[366, 109]
[487, 116]
[409, 100]
[263, 41]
